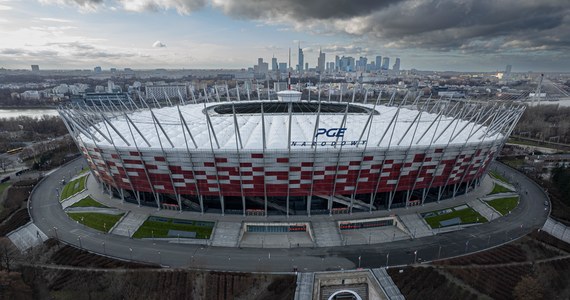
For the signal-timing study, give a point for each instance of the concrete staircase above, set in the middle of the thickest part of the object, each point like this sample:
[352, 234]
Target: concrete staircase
[226, 234]
[129, 224]
[326, 234]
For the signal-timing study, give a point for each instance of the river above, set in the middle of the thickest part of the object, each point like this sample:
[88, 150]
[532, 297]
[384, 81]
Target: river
[28, 112]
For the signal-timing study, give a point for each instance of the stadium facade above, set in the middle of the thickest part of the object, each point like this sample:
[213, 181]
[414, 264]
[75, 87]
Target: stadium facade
[290, 156]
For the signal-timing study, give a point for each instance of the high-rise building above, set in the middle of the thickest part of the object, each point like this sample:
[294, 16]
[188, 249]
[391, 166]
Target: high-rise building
[361, 64]
[347, 64]
[396, 66]
[378, 62]
[274, 65]
[332, 66]
[385, 63]
[35, 68]
[321, 62]
[301, 59]
[262, 67]
[336, 62]
[283, 67]
[507, 74]
[97, 69]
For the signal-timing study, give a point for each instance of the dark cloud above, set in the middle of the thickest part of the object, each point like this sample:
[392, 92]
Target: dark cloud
[441, 25]
[301, 9]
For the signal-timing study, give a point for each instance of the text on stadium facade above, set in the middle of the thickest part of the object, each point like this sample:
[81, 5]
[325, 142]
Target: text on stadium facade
[328, 132]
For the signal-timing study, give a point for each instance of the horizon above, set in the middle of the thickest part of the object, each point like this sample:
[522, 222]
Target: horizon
[442, 36]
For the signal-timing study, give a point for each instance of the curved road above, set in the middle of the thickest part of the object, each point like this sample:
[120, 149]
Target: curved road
[529, 215]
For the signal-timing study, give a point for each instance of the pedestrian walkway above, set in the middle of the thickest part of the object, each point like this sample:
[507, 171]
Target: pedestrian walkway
[129, 224]
[27, 236]
[416, 225]
[226, 234]
[100, 210]
[557, 229]
[376, 235]
[304, 290]
[484, 209]
[387, 284]
[326, 234]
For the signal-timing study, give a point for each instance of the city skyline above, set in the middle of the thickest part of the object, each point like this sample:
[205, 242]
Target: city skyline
[224, 34]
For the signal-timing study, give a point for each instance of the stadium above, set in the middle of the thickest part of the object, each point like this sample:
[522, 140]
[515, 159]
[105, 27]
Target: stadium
[289, 156]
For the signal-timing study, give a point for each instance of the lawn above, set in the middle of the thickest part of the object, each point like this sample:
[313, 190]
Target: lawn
[4, 186]
[504, 205]
[88, 202]
[466, 215]
[498, 176]
[497, 189]
[98, 221]
[73, 187]
[158, 227]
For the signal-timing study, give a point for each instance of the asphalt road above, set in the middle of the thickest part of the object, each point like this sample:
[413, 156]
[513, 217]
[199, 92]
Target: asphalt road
[529, 215]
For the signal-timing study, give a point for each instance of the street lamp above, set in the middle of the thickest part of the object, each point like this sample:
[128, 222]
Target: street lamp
[104, 251]
[56, 237]
[415, 256]
[79, 239]
[439, 252]
[131, 253]
[466, 245]
[387, 258]
[359, 259]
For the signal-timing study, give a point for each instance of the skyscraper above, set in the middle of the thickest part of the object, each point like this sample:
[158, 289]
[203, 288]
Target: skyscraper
[301, 59]
[274, 65]
[321, 62]
[396, 66]
[385, 63]
[378, 62]
[35, 68]
[336, 63]
[508, 72]
[361, 64]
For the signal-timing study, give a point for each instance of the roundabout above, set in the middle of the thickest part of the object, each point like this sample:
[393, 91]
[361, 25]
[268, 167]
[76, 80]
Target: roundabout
[48, 215]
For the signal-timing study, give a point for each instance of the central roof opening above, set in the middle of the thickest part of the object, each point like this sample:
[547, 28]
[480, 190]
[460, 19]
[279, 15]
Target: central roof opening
[272, 107]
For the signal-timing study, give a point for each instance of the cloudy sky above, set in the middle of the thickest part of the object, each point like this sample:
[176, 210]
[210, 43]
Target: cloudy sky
[462, 35]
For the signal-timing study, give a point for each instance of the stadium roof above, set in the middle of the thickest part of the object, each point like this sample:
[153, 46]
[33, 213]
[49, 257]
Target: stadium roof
[389, 127]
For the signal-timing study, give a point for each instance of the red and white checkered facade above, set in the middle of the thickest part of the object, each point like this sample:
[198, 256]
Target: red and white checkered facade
[299, 173]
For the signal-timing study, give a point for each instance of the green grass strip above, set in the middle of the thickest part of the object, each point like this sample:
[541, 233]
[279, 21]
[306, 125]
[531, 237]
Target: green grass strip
[504, 205]
[497, 189]
[73, 187]
[98, 221]
[88, 202]
[158, 229]
[3, 186]
[467, 216]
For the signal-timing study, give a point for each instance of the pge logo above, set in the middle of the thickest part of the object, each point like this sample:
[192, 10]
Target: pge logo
[331, 132]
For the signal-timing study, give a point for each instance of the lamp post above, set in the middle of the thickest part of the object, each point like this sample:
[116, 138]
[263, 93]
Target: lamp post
[387, 258]
[439, 252]
[79, 239]
[55, 230]
[131, 253]
[466, 245]
[359, 259]
[104, 251]
[415, 256]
